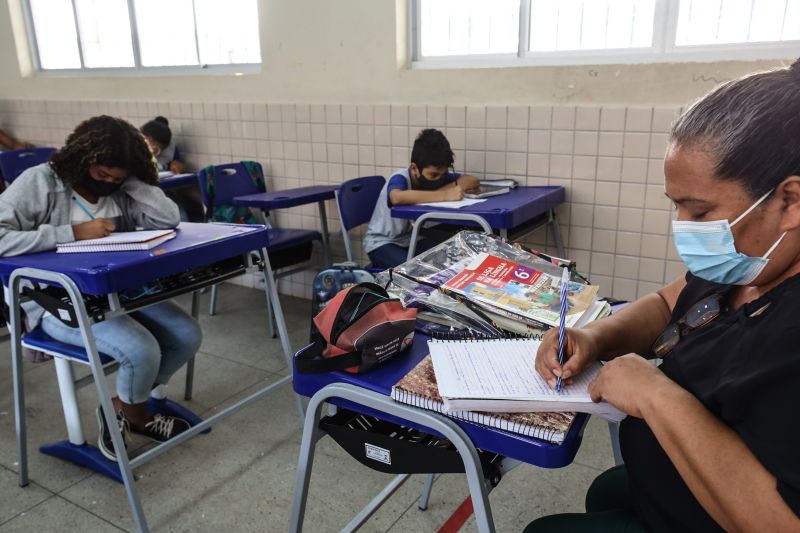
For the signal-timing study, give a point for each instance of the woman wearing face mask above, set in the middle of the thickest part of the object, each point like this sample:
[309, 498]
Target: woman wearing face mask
[711, 439]
[104, 179]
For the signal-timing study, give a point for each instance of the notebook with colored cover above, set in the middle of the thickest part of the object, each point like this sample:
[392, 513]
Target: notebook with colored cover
[122, 241]
[419, 388]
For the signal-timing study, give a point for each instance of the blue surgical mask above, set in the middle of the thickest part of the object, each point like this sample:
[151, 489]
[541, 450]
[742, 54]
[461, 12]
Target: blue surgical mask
[708, 250]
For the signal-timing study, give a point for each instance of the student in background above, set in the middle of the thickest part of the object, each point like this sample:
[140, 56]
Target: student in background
[427, 179]
[159, 139]
[7, 142]
[105, 172]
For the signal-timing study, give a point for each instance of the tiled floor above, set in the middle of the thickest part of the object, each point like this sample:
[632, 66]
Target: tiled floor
[240, 477]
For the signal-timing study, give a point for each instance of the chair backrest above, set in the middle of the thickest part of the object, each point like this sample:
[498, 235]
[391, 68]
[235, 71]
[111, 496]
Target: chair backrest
[232, 179]
[356, 200]
[15, 162]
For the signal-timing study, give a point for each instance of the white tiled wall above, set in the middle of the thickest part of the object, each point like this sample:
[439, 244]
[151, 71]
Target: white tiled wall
[615, 223]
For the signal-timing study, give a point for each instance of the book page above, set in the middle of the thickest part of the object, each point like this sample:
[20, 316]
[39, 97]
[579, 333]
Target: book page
[455, 204]
[500, 369]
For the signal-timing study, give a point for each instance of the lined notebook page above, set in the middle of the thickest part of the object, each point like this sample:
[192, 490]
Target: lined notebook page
[500, 369]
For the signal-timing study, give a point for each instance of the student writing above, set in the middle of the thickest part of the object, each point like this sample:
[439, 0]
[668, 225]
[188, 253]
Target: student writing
[426, 179]
[104, 171]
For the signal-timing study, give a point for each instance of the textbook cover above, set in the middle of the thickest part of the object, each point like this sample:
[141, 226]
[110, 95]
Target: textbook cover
[520, 290]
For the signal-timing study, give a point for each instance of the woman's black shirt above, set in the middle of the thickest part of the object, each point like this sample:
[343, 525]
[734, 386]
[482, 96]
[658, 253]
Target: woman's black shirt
[745, 368]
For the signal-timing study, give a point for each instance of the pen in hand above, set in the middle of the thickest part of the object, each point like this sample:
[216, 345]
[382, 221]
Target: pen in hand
[561, 321]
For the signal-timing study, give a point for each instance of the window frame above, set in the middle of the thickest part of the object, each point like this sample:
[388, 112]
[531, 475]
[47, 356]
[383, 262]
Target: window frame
[663, 49]
[138, 69]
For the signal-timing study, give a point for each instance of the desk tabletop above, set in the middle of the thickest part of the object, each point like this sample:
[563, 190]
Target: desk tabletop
[381, 380]
[102, 273]
[504, 211]
[288, 197]
[177, 180]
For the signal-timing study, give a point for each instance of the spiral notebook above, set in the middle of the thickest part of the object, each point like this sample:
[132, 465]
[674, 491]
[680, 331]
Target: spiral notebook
[499, 376]
[122, 241]
[419, 388]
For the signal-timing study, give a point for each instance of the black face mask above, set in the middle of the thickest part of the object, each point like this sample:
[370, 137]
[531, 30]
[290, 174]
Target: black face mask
[101, 188]
[424, 184]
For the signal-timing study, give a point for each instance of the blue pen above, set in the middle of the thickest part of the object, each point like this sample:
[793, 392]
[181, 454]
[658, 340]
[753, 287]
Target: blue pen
[561, 321]
[83, 207]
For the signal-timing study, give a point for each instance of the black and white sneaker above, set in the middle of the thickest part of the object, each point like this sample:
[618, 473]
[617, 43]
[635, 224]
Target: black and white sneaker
[104, 438]
[162, 428]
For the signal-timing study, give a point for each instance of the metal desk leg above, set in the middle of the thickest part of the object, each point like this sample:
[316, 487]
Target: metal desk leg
[553, 222]
[189, 387]
[478, 487]
[271, 293]
[434, 215]
[426, 493]
[326, 238]
[19, 387]
[212, 304]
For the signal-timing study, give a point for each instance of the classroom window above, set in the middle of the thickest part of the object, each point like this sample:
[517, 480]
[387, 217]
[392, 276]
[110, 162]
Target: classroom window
[134, 35]
[448, 33]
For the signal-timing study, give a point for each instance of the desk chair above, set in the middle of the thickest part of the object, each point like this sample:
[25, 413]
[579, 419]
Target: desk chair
[75, 449]
[15, 162]
[356, 200]
[287, 247]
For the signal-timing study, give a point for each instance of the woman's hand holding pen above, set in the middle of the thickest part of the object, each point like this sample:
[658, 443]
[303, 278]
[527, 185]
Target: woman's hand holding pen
[94, 229]
[581, 347]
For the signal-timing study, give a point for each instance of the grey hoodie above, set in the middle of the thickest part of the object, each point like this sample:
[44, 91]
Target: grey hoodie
[35, 215]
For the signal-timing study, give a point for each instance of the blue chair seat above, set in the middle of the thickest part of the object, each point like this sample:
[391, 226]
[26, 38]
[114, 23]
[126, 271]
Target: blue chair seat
[39, 340]
[280, 238]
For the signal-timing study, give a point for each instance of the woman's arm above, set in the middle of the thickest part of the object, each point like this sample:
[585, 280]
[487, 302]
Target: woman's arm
[148, 206]
[638, 325]
[720, 471]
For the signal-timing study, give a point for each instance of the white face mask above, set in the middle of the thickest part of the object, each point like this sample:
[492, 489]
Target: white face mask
[708, 250]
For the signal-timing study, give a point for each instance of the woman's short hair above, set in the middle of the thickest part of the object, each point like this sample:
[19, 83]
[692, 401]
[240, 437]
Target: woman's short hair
[158, 130]
[106, 141]
[750, 126]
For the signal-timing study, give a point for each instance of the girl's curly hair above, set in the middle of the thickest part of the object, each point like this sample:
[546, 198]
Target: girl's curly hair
[106, 141]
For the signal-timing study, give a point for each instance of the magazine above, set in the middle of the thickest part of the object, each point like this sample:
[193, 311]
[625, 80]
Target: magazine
[520, 290]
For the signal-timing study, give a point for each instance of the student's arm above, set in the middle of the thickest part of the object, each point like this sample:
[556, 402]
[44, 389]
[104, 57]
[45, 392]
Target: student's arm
[448, 193]
[177, 167]
[469, 183]
[631, 330]
[22, 209]
[720, 471]
[10, 143]
[148, 206]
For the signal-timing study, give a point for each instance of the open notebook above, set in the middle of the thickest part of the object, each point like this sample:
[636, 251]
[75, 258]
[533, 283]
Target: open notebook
[418, 388]
[499, 376]
[119, 242]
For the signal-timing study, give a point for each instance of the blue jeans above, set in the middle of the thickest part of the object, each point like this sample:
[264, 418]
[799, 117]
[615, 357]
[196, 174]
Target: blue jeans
[391, 255]
[150, 345]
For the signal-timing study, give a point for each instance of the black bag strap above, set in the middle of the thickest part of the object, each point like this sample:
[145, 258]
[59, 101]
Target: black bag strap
[310, 360]
[55, 306]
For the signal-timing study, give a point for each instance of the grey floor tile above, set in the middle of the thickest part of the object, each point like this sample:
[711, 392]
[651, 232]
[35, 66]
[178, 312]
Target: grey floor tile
[15, 500]
[56, 514]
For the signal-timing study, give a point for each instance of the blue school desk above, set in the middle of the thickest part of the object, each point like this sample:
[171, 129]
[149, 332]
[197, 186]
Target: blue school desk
[292, 198]
[368, 393]
[200, 255]
[513, 214]
[178, 180]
